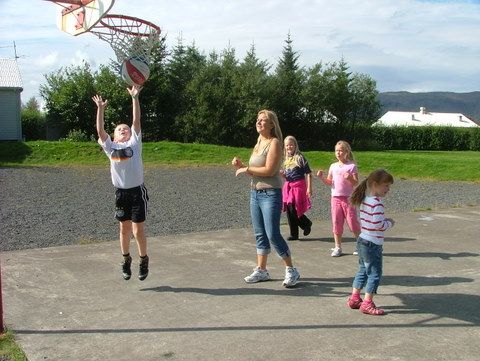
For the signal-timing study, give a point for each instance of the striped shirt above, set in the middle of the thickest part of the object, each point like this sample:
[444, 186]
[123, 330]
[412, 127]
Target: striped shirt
[372, 220]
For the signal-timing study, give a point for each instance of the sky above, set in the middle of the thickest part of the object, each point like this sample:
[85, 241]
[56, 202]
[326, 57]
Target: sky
[404, 45]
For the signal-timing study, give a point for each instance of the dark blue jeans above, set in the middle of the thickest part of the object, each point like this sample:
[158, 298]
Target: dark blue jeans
[370, 260]
[266, 209]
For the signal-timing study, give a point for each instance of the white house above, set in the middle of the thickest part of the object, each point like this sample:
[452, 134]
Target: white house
[425, 118]
[10, 104]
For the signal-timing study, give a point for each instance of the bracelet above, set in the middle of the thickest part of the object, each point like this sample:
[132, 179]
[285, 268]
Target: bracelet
[135, 96]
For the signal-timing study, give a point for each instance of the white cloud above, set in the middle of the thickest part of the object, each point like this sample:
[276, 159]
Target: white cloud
[47, 61]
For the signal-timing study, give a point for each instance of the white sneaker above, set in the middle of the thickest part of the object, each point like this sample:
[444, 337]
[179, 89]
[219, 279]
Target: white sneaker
[337, 252]
[355, 253]
[258, 275]
[291, 277]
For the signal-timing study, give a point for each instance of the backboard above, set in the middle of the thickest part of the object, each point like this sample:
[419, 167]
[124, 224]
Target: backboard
[78, 17]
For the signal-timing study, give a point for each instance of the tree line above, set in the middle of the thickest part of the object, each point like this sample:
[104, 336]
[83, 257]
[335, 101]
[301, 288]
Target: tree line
[194, 97]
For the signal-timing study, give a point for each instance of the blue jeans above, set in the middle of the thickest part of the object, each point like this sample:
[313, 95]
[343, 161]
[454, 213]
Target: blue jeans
[370, 261]
[266, 209]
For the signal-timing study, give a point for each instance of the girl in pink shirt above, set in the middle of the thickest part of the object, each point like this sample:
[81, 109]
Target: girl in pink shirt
[342, 178]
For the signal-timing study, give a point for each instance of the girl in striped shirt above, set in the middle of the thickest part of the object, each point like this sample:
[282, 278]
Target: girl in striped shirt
[368, 196]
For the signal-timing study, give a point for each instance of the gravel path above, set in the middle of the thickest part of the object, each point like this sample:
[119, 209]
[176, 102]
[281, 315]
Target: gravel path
[44, 207]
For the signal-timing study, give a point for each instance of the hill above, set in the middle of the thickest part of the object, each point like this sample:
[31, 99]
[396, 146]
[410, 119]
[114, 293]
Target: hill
[442, 102]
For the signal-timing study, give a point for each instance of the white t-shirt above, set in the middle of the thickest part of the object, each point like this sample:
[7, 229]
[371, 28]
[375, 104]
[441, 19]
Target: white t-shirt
[126, 166]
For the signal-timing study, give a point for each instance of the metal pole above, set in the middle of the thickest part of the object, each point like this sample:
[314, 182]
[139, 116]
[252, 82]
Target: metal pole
[1, 302]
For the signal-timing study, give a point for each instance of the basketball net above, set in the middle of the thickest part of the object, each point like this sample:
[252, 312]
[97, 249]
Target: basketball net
[128, 36]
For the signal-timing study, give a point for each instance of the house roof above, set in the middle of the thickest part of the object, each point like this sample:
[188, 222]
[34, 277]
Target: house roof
[423, 117]
[10, 74]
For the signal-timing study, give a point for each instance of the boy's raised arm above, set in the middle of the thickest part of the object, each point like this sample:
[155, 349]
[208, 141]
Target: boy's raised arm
[101, 104]
[136, 124]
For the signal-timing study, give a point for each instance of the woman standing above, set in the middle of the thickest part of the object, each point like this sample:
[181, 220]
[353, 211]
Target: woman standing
[266, 198]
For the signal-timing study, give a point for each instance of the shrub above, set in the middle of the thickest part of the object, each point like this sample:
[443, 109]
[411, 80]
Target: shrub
[33, 124]
[77, 136]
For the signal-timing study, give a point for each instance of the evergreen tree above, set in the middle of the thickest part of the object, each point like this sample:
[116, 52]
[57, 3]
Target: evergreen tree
[251, 86]
[156, 124]
[337, 98]
[215, 108]
[32, 104]
[181, 68]
[286, 93]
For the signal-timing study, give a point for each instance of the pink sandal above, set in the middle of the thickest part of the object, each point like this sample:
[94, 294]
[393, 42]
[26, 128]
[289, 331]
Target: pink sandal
[354, 303]
[370, 309]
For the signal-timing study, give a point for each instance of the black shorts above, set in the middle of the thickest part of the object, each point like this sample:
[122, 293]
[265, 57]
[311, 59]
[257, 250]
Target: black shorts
[131, 204]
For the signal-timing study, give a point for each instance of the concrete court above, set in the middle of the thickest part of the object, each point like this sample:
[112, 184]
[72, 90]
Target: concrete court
[70, 303]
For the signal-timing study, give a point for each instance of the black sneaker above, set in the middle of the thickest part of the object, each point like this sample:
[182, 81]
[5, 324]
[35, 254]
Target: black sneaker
[126, 268]
[307, 229]
[143, 270]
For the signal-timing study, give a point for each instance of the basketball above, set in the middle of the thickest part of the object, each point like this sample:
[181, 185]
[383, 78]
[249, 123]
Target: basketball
[135, 71]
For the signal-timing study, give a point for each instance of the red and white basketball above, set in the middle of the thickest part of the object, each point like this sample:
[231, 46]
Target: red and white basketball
[135, 71]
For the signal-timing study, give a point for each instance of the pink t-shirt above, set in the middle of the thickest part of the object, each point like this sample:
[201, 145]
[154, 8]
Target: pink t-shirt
[341, 187]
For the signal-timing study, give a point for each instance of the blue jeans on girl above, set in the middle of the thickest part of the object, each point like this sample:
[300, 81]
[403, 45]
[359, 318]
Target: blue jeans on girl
[265, 210]
[370, 261]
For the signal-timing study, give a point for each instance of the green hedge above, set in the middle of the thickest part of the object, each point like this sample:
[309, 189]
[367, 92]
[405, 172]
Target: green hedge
[424, 138]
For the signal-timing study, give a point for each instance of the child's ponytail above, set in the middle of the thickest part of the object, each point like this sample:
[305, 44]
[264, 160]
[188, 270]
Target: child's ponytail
[359, 193]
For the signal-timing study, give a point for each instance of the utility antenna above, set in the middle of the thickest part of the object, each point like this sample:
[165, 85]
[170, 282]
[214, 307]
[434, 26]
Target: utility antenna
[14, 51]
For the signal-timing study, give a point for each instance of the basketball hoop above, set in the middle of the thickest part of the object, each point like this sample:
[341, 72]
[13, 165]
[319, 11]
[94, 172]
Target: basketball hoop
[128, 36]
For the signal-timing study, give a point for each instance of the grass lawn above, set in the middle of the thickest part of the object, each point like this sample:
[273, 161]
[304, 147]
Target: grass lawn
[425, 165]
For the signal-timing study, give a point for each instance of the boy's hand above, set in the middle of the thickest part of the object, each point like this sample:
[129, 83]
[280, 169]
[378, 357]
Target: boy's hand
[101, 104]
[134, 91]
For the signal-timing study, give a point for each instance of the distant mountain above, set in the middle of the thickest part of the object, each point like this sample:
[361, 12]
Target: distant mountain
[437, 102]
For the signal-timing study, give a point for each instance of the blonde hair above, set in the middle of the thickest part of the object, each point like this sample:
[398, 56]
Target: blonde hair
[347, 149]
[296, 154]
[378, 176]
[276, 131]
[120, 125]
